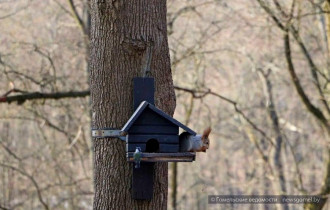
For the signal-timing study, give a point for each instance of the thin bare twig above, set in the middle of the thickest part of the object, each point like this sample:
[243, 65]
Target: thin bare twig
[77, 17]
[10, 151]
[289, 27]
[201, 94]
[14, 13]
[31, 178]
[313, 109]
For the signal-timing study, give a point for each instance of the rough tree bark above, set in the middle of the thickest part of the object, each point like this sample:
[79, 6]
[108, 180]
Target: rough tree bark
[122, 34]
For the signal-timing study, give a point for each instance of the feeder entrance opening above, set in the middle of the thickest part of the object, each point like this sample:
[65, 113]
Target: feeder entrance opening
[152, 146]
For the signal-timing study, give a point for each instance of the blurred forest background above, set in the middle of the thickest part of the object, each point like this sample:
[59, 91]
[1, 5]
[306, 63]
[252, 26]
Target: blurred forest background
[256, 71]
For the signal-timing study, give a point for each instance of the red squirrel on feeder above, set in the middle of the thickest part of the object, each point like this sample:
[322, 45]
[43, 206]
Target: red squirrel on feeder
[198, 143]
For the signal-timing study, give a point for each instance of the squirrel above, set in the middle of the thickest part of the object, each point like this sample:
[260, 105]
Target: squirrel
[198, 143]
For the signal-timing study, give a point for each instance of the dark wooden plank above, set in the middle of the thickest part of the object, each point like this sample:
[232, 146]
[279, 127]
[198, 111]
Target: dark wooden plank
[176, 154]
[134, 116]
[132, 147]
[165, 139]
[145, 111]
[142, 181]
[147, 114]
[149, 117]
[169, 148]
[144, 89]
[164, 157]
[171, 119]
[154, 129]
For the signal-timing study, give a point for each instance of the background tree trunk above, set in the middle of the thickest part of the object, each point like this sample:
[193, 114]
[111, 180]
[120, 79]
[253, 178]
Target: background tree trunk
[277, 161]
[122, 32]
[326, 9]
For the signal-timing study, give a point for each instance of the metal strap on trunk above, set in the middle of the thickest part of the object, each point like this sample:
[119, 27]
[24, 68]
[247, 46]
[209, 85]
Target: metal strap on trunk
[108, 133]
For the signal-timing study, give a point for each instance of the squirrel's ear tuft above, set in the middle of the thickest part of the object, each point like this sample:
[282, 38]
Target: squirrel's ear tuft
[206, 132]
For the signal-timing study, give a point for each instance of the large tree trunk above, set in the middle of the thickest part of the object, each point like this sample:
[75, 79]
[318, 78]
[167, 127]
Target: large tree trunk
[122, 34]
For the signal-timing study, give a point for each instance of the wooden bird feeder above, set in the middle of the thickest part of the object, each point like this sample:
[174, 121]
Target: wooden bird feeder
[156, 133]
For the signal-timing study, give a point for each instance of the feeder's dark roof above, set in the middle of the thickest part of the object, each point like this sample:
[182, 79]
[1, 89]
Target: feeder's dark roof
[145, 105]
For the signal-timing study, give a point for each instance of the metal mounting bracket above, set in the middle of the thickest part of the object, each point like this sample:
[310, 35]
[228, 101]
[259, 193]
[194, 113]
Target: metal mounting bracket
[108, 133]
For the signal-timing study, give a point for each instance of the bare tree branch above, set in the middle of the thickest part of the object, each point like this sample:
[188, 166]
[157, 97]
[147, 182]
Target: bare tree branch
[31, 178]
[288, 27]
[20, 99]
[201, 94]
[299, 175]
[260, 151]
[271, 14]
[313, 68]
[313, 109]
[280, 8]
[325, 190]
[77, 17]
[9, 151]
[14, 13]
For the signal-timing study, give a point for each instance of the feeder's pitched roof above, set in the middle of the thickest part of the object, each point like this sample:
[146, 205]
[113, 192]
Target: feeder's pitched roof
[145, 105]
